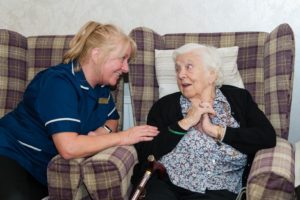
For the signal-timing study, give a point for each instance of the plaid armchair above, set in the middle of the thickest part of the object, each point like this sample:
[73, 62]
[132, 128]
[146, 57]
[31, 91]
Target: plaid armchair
[105, 175]
[266, 64]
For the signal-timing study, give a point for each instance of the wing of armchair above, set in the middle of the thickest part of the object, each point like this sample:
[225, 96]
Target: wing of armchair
[266, 64]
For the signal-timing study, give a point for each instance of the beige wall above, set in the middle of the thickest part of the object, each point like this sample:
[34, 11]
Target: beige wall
[36, 17]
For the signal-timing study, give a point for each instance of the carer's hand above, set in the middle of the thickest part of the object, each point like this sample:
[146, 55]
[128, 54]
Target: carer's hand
[138, 134]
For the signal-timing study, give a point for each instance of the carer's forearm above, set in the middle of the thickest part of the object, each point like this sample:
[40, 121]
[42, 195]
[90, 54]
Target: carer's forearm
[112, 124]
[83, 145]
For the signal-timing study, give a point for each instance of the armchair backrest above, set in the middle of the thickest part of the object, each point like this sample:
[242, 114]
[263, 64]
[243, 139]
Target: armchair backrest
[21, 58]
[12, 69]
[265, 62]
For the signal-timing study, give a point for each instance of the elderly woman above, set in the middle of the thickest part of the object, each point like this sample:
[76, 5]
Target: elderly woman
[209, 133]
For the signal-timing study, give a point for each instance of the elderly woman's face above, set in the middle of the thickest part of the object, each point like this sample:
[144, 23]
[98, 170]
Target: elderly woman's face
[192, 77]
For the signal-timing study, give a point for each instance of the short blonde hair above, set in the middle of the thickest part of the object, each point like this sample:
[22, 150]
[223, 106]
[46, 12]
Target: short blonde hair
[96, 35]
[209, 57]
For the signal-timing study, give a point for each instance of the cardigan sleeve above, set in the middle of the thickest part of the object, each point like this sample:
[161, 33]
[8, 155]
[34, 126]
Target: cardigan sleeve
[164, 114]
[255, 131]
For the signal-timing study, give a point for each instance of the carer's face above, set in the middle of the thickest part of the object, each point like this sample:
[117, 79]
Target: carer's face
[192, 77]
[116, 65]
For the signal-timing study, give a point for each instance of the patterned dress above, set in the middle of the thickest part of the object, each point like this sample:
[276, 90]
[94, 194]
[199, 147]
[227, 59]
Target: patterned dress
[198, 162]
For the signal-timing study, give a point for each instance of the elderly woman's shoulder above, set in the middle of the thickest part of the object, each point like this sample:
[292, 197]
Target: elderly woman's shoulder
[232, 90]
[168, 102]
[168, 97]
[173, 97]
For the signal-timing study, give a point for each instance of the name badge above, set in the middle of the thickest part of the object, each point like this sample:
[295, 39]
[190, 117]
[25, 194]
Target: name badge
[103, 100]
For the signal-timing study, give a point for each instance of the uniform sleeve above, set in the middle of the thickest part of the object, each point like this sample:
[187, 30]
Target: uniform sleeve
[57, 105]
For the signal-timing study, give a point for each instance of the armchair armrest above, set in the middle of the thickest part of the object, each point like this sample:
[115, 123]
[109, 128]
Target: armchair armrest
[64, 179]
[272, 173]
[104, 176]
[107, 174]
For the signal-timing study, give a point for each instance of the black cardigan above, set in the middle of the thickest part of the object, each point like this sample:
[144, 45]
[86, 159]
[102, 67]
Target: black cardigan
[255, 131]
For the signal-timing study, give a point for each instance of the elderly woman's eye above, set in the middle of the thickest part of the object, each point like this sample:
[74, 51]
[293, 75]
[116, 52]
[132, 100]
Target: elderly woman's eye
[189, 66]
[176, 68]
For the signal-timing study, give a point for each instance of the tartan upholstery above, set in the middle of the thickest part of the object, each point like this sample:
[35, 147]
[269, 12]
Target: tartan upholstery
[271, 177]
[12, 69]
[96, 170]
[104, 176]
[21, 58]
[266, 64]
[64, 179]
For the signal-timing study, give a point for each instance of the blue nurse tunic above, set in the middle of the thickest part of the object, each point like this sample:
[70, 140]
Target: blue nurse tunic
[57, 100]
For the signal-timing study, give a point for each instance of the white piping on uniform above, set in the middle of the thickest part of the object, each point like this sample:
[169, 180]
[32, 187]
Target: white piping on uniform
[108, 98]
[83, 87]
[73, 69]
[29, 146]
[111, 111]
[62, 119]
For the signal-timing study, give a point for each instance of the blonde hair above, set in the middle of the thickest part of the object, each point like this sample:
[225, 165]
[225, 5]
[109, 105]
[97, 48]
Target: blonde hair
[96, 35]
[209, 56]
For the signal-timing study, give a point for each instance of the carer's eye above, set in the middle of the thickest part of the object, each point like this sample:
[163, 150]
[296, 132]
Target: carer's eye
[127, 58]
[124, 58]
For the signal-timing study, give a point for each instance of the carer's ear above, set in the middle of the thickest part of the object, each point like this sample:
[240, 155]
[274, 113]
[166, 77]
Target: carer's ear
[95, 54]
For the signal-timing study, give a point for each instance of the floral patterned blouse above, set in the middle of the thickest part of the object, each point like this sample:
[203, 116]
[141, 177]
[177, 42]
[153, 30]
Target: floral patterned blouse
[198, 162]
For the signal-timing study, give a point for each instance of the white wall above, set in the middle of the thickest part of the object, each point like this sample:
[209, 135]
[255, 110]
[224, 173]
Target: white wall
[36, 17]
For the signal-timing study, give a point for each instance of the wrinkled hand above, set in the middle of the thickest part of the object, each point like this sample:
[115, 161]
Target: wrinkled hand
[207, 127]
[195, 113]
[138, 134]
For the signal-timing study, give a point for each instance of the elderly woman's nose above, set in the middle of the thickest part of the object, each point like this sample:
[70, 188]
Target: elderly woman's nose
[181, 73]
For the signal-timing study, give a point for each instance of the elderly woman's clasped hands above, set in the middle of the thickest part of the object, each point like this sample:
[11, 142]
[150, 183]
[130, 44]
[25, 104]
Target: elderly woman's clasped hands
[198, 116]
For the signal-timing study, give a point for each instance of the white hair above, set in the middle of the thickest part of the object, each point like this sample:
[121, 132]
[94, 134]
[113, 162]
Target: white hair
[209, 56]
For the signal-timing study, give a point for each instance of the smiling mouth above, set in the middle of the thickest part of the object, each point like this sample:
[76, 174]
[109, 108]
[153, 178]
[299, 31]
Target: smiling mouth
[118, 74]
